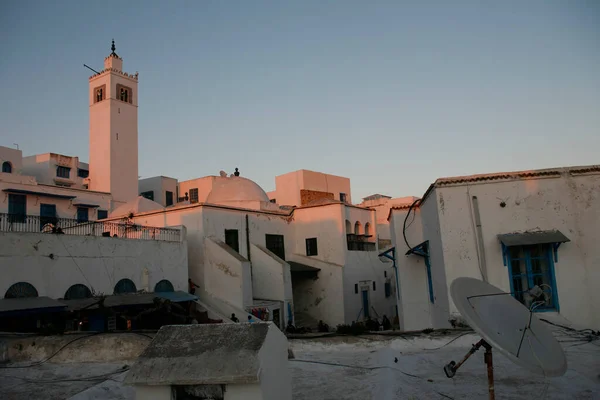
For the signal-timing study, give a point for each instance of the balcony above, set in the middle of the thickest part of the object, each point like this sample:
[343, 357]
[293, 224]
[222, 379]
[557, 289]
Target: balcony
[359, 243]
[53, 225]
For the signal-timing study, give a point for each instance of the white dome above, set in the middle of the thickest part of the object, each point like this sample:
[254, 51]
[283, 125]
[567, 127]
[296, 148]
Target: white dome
[235, 189]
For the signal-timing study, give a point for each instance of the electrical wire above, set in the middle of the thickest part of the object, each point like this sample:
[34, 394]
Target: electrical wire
[38, 363]
[406, 219]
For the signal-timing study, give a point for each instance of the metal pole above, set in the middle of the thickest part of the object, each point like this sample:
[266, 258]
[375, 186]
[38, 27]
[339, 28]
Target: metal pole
[490, 370]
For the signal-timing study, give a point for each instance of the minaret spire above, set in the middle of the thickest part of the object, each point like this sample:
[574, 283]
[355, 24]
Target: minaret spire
[113, 48]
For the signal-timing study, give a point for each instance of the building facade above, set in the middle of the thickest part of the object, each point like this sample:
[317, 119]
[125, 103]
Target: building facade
[516, 230]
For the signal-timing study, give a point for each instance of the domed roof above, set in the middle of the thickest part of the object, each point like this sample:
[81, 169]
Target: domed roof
[235, 189]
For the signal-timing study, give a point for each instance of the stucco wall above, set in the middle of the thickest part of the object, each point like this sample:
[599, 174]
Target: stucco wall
[414, 307]
[226, 274]
[269, 275]
[52, 263]
[288, 186]
[321, 298]
[204, 186]
[275, 374]
[13, 156]
[327, 225]
[251, 391]
[159, 185]
[569, 203]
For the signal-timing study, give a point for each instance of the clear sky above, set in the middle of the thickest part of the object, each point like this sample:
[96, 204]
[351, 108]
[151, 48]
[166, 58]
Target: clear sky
[392, 94]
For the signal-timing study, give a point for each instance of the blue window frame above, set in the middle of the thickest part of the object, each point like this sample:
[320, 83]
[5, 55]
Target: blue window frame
[529, 266]
[82, 214]
[63, 172]
[102, 214]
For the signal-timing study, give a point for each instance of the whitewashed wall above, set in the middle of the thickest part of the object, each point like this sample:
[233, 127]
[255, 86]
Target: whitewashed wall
[52, 263]
[570, 204]
[414, 307]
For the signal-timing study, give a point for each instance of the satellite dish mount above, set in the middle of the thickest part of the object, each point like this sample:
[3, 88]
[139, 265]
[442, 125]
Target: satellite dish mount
[451, 368]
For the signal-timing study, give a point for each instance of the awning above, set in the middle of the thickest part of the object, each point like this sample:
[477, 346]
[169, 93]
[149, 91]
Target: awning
[176, 297]
[21, 191]
[127, 299]
[29, 305]
[529, 238]
[298, 267]
[85, 205]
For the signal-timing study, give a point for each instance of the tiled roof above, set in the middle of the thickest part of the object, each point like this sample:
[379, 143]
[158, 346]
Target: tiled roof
[516, 175]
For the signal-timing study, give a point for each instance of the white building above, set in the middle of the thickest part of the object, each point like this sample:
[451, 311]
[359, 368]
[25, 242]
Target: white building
[515, 230]
[314, 262]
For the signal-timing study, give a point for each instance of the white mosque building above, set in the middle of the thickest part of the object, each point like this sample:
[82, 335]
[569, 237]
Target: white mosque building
[299, 254]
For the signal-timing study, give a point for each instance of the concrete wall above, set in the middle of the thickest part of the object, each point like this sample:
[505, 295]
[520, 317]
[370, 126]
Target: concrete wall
[251, 391]
[323, 297]
[227, 275]
[569, 203]
[288, 186]
[44, 168]
[65, 208]
[414, 307]
[13, 156]
[204, 186]
[275, 375]
[270, 280]
[52, 263]
[159, 185]
[327, 225]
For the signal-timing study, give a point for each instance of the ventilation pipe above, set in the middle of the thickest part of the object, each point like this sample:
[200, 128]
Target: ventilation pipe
[479, 239]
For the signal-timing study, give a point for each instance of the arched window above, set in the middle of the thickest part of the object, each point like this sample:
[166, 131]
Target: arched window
[78, 291]
[125, 286]
[367, 229]
[20, 290]
[6, 167]
[348, 227]
[357, 228]
[164, 286]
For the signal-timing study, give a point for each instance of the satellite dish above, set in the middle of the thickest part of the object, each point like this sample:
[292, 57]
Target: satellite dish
[508, 326]
[223, 174]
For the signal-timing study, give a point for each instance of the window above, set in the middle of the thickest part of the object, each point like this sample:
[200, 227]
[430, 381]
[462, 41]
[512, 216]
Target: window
[17, 207]
[78, 291]
[356, 288]
[99, 93]
[232, 240]
[20, 290]
[6, 167]
[529, 266]
[311, 247]
[169, 198]
[82, 214]
[273, 201]
[275, 244]
[149, 195]
[343, 197]
[164, 286]
[83, 173]
[194, 195]
[63, 172]
[102, 214]
[124, 93]
[125, 286]
[373, 285]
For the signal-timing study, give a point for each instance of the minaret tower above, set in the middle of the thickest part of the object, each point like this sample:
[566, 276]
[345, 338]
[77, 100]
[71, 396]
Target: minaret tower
[114, 131]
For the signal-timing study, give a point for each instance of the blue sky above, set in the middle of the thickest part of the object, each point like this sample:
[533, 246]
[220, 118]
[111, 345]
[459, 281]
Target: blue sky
[392, 94]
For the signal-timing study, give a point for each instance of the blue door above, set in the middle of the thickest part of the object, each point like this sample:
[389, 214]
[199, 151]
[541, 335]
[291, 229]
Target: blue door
[365, 303]
[47, 215]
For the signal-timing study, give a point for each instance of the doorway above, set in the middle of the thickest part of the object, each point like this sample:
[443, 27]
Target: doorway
[365, 302]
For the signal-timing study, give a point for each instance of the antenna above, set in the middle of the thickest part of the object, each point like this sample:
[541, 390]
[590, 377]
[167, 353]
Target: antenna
[90, 68]
[508, 326]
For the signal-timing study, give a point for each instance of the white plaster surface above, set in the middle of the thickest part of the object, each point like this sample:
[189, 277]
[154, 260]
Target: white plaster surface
[52, 263]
